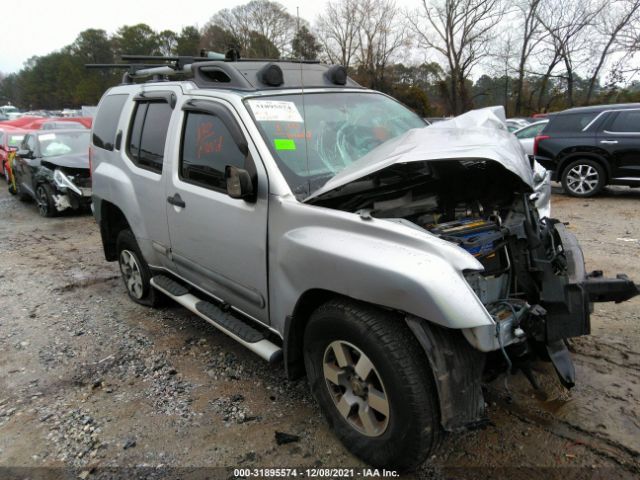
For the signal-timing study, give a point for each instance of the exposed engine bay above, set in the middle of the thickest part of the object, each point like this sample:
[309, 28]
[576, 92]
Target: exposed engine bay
[534, 283]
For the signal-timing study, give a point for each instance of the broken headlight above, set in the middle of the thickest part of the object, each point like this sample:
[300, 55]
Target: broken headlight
[62, 181]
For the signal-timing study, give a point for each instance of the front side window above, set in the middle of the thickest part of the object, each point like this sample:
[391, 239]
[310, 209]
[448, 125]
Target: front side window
[315, 136]
[148, 134]
[207, 147]
[626, 122]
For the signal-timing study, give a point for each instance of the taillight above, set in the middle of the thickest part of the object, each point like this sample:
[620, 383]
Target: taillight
[537, 140]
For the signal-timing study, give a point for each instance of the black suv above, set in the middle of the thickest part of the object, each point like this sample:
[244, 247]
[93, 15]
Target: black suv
[587, 148]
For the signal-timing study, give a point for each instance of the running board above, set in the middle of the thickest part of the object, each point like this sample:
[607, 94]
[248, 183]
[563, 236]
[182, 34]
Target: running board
[227, 323]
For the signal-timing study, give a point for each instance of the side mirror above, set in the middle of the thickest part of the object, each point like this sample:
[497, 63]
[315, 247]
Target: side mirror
[24, 153]
[239, 184]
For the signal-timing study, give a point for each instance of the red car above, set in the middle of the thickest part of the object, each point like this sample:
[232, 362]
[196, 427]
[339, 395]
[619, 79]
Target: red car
[10, 139]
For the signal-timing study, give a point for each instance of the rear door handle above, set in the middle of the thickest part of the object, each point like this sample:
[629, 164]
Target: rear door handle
[176, 200]
[609, 142]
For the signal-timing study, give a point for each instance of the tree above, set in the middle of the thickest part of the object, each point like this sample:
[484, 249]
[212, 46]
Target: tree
[137, 39]
[460, 31]
[382, 32]
[618, 17]
[188, 41]
[570, 35]
[338, 30]
[266, 18]
[532, 34]
[218, 39]
[305, 46]
[167, 43]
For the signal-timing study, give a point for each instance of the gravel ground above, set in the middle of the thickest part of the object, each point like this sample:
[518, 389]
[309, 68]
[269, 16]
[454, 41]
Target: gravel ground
[92, 384]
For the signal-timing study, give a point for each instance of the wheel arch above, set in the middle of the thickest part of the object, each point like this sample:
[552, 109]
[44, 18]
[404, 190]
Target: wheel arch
[456, 366]
[596, 155]
[112, 221]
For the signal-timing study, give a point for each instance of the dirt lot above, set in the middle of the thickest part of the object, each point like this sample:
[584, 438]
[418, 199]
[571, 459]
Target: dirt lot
[90, 380]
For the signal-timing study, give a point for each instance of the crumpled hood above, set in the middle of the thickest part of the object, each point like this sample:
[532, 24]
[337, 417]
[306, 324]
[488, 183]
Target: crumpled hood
[70, 161]
[476, 135]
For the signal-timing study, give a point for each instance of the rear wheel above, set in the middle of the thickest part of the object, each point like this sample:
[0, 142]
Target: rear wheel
[135, 271]
[583, 178]
[373, 383]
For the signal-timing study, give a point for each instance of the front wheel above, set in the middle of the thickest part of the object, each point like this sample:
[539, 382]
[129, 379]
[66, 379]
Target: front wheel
[583, 178]
[373, 383]
[135, 271]
[44, 198]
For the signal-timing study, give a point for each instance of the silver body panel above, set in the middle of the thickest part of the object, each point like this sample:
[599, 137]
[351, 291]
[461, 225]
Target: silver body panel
[262, 257]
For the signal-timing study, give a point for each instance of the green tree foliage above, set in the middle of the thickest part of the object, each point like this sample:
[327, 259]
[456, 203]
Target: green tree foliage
[305, 45]
[137, 39]
[188, 41]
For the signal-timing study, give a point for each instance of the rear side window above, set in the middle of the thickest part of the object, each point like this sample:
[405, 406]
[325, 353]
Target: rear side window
[106, 122]
[207, 147]
[626, 122]
[570, 122]
[148, 134]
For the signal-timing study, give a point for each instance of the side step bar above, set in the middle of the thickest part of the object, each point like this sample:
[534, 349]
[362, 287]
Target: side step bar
[226, 322]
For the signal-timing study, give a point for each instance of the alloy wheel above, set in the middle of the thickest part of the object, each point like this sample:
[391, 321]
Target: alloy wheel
[131, 273]
[582, 179]
[356, 388]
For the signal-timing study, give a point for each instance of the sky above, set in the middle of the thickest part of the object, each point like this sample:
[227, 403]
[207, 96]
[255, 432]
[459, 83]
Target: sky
[51, 25]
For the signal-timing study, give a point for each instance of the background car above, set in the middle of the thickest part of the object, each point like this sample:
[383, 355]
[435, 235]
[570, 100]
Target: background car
[527, 134]
[587, 148]
[10, 139]
[53, 168]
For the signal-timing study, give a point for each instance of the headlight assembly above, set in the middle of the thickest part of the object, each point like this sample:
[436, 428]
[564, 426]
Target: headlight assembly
[62, 181]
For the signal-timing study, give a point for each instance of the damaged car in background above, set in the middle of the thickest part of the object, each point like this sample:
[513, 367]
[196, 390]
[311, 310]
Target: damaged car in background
[52, 167]
[390, 262]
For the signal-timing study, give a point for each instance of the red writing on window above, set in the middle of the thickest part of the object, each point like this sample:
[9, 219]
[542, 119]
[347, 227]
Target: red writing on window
[207, 141]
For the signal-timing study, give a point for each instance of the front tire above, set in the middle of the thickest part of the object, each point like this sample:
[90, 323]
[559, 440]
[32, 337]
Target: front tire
[583, 178]
[373, 383]
[135, 271]
[44, 198]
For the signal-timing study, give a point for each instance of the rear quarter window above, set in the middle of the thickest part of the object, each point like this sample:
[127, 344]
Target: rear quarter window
[106, 122]
[570, 122]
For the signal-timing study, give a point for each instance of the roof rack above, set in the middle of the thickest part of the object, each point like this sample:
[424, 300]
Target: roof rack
[230, 72]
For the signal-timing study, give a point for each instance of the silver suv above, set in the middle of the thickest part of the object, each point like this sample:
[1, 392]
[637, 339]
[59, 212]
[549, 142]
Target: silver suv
[321, 223]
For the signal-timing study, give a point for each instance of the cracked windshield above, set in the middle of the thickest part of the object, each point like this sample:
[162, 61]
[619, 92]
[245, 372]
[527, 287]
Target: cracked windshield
[315, 136]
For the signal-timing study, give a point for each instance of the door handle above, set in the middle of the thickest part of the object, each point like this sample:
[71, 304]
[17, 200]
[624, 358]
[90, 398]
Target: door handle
[176, 200]
[609, 142]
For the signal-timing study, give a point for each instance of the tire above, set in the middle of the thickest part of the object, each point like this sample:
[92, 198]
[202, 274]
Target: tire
[135, 271]
[402, 427]
[583, 178]
[44, 199]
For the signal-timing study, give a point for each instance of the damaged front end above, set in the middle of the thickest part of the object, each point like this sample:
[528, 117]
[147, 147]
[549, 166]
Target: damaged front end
[71, 186]
[533, 283]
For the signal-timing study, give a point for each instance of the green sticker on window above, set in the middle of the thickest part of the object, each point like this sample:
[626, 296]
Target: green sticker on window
[284, 144]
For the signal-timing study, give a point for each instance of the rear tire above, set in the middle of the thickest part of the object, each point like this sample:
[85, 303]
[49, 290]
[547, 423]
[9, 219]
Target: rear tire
[583, 178]
[135, 271]
[366, 363]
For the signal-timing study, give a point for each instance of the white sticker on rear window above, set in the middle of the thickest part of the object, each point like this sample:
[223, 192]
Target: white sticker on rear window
[275, 111]
[47, 136]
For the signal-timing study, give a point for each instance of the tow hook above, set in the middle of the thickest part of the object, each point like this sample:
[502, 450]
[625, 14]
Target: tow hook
[561, 359]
